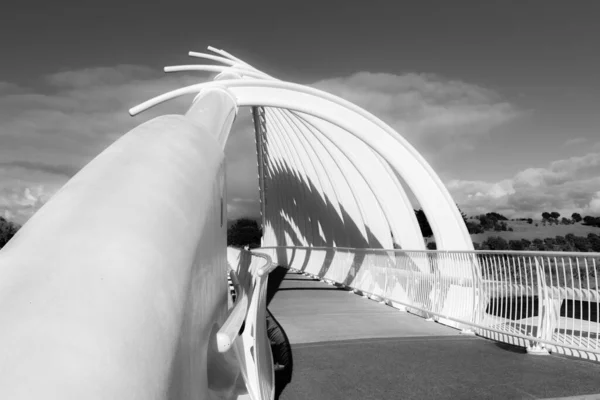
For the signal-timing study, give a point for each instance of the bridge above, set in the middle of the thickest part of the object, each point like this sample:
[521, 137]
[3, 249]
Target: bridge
[117, 287]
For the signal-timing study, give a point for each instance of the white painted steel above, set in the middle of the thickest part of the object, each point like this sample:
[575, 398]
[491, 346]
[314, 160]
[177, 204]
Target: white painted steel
[403, 235]
[531, 299]
[379, 178]
[215, 68]
[252, 346]
[349, 202]
[444, 218]
[114, 288]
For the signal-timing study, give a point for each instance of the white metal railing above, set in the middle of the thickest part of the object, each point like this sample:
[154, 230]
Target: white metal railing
[249, 273]
[539, 300]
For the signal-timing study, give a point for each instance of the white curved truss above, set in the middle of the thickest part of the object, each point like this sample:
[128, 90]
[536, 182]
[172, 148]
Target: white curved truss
[321, 145]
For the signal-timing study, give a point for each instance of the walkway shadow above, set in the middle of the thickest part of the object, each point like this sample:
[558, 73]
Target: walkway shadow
[307, 217]
[511, 348]
[280, 344]
[282, 354]
[275, 278]
[309, 206]
[311, 288]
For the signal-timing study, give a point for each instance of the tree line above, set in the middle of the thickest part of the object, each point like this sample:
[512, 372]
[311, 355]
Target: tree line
[569, 242]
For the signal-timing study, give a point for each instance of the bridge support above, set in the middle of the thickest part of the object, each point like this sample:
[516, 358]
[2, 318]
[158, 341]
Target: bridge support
[117, 286]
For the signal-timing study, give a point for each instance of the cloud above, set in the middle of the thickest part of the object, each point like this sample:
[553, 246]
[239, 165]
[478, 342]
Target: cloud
[18, 203]
[594, 205]
[431, 112]
[567, 186]
[64, 170]
[52, 129]
[576, 141]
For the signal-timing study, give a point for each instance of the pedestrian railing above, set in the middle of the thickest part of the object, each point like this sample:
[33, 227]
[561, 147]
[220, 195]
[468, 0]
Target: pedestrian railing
[245, 328]
[544, 301]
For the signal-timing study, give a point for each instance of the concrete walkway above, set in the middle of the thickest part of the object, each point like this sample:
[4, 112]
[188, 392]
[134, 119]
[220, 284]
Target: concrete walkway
[347, 347]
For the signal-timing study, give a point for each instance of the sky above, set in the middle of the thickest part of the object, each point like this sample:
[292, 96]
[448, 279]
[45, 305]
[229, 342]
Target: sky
[502, 98]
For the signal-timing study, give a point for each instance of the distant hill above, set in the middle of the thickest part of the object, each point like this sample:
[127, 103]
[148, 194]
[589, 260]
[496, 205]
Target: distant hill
[523, 230]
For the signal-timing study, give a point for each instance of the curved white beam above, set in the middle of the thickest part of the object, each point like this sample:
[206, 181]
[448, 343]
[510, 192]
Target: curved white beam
[444, 218]
[449, 231]
[212, 57]
[357, 186]
[358, 219]
[215, 68]
[400, 216]
[292, 173]
[304, 177]
[277, 168]
[337, 192]
[395, 228]
[329, 179]
[227, 55]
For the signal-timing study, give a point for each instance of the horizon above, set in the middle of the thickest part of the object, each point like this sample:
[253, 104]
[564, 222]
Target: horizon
[501, 99]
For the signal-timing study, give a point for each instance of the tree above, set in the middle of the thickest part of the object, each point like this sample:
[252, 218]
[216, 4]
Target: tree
[244, 232]
[549, 243]
[576, 217]
[546, 215]
[423, 223]
[565, 221]
[530, 221]
[554, 215]
[582, 244]
[516, 245]
[560, 241]
[594, 241]
[474, 228]
[496, 243]
[8, 229]
[538, 244]
[591, 221]
[496, 216]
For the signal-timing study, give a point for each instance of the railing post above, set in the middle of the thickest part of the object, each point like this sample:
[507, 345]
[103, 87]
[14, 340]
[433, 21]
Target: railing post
[538, 348]
[475, 277]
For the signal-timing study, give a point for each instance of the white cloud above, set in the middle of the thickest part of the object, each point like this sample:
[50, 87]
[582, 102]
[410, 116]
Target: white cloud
[48, 135]
[20, 202]
[432, 113]
[594, 205]
[567, 186]
[576, 141]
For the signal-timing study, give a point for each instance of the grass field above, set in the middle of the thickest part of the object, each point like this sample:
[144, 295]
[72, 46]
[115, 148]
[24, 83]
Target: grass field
[523, 230]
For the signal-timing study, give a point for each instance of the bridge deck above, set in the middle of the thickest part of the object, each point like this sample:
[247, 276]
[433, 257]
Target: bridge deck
[347, 347]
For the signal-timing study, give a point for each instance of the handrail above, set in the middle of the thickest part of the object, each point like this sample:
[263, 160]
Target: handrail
[506, 252]
[231, 327]
[507, 296]
[252, 344]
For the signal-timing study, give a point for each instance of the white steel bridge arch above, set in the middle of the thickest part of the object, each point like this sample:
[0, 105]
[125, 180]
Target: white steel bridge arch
[375, 190]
